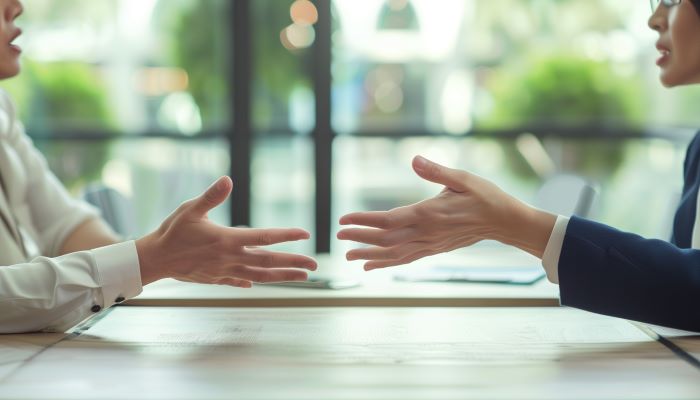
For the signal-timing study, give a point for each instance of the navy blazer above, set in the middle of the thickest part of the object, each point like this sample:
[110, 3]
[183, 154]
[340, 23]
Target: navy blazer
[607, 271]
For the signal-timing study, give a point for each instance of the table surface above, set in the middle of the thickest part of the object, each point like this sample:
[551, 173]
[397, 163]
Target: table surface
[377, 289]
[351, 353]
[683, 341]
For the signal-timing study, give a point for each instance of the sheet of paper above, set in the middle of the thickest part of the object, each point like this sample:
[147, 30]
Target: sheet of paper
[343, 353]
[524, 275]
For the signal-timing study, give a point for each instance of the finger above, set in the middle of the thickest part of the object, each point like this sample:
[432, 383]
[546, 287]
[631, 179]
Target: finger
[372, 265]
[386, 253]
[266, 237]
[235, 283]
[378, 237]
[216, 194]
[264, 275]
[392, 219]
[268, 259]
[454, 179]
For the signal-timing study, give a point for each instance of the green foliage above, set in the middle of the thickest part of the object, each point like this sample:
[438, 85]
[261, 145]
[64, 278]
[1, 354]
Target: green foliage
[560, 92]
[64, 95]
[200, 39]
[68, 94]
[201, 46]
[566, 91]
[52, 95]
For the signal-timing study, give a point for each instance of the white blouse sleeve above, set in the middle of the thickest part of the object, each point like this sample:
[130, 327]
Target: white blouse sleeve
[54, 294]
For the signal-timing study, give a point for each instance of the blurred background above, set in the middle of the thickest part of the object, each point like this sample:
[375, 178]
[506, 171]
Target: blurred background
[317, 108]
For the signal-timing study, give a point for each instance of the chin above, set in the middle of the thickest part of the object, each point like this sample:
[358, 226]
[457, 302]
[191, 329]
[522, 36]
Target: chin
[9, 72]
[668, 84]
[669, 81]
[674, 77]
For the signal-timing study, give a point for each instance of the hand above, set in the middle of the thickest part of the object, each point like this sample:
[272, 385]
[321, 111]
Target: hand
[469, 209]
[189, 247]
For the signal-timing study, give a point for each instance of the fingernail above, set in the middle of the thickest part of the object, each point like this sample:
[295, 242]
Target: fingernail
[221, 185]
[421, 163]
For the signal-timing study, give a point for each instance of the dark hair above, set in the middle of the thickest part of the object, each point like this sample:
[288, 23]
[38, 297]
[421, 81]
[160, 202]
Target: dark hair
[696, 3]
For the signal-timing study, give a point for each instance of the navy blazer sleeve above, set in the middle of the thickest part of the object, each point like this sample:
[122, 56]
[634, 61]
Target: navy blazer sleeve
[606, 271]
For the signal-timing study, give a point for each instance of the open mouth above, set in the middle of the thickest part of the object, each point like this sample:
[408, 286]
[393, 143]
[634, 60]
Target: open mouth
[665, 54]
[14, 37]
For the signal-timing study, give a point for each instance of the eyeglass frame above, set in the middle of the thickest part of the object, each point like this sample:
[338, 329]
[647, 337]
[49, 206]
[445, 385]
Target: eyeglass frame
[668, 3]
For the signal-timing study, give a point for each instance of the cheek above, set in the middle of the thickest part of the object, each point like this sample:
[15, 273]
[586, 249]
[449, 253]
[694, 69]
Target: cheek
[685, 34]
[689, 61]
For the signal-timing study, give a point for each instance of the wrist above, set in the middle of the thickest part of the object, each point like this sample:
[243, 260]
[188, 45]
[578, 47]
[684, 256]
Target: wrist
[146, 249]
[528, 228]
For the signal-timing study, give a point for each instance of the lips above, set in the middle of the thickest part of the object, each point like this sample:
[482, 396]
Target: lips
[14, 37]
[665, 54]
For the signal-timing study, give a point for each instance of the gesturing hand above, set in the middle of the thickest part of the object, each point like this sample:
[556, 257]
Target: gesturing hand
[189, 247]
[468, 210]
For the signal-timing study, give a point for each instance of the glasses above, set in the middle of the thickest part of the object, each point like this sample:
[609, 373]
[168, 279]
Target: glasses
[668, 3]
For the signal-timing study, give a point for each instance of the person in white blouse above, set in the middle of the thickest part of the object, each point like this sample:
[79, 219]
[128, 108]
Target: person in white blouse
[60, 263]
[597, 267]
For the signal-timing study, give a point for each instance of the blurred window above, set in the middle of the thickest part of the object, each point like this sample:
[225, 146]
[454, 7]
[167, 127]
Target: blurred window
[138, 94]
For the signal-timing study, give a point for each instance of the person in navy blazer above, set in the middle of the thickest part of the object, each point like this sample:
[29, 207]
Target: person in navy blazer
[597, 267]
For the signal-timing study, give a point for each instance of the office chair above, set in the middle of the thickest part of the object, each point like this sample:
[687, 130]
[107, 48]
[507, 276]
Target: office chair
[115, 208]
[566, 194]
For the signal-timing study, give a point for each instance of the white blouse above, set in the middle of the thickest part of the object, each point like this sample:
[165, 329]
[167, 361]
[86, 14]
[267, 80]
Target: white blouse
[38, 289]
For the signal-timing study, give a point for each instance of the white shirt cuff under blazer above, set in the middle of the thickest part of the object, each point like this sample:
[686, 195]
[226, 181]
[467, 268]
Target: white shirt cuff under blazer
[550, 258]
[40, 290]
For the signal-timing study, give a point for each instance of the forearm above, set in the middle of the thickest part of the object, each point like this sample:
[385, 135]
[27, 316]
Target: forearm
[91, 234]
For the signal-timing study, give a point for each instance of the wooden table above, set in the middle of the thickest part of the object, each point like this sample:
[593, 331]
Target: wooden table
[354, 353]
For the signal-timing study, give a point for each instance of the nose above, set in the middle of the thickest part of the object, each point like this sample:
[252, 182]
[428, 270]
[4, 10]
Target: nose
[14, 10]
[657, 21]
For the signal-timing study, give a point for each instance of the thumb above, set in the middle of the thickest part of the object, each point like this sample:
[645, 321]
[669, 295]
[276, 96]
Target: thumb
[453, 179]
[216, 194]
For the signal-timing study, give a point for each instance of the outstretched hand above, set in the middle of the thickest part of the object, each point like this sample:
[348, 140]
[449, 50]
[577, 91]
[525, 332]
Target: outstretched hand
[469, 209]
[189, 247]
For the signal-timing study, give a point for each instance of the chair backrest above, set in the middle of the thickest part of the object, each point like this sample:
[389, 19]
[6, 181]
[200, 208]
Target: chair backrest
[116, 209]
[566, 194]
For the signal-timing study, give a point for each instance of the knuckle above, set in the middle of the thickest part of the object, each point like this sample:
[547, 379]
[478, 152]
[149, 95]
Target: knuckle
[237, 271]
[419, 209]
[184, 205]
[387, 222]
[434, 171]
[261, 277]
[422, 211]
[267, 260]
[385, 240]
[209, 197]
[265, 238]
[393, 253]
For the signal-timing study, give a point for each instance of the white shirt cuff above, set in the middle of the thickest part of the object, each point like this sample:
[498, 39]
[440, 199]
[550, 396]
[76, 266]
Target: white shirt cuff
[119, 272]
[550, 259]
